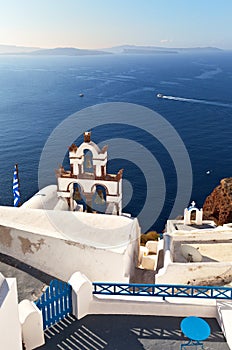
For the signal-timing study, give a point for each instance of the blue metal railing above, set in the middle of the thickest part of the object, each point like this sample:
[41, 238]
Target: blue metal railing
[162, 290]
[55, 303]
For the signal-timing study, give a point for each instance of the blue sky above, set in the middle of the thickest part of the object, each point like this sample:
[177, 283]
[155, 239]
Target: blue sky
[105, 23]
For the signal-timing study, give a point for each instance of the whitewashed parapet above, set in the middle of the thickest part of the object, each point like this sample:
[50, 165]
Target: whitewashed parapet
[32, 324]
[152, 246]
[10, 329]
[81, 294]
[224, 314]
[85, 303]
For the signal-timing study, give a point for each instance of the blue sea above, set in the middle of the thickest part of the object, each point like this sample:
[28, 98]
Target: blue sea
[38, 93]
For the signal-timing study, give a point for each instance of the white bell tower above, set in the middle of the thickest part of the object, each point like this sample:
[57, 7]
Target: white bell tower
[187, 215]
[88, 165]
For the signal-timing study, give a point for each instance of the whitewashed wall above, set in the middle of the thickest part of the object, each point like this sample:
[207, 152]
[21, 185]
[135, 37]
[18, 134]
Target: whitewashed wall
[224, 314]
[32, 324]
[10, 328]
[126, 305]
[61, 258]
[183, 273]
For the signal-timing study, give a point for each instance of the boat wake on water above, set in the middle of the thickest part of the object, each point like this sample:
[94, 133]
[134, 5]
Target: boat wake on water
[192, 100]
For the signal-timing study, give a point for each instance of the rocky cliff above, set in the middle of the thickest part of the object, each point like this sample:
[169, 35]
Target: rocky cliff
[218, 205]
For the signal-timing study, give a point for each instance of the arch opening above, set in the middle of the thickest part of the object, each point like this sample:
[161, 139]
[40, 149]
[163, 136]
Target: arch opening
[99, 199]
[88, 161]
[78, 196]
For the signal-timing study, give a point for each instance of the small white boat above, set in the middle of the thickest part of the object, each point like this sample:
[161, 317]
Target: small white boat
[81, 95]
[159, 95]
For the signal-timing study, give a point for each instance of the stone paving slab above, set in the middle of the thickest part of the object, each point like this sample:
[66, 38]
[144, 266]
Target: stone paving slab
[119, 332]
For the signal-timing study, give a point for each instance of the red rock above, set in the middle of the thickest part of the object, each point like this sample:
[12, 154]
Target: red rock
[218, 205]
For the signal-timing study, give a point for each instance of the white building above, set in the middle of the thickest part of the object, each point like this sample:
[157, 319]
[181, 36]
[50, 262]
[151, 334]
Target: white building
[195, 251]
[67, 228]
[52, 232]
[105, 247]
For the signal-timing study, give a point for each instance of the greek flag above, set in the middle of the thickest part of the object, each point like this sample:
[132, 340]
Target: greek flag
[16, 192]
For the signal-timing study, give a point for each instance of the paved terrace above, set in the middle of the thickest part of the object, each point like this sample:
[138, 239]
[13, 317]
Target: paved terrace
[108, 332]
[222, 252]
[117, 332]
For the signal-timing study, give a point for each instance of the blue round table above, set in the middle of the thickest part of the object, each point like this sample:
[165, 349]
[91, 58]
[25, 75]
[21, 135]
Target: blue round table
[196, 329]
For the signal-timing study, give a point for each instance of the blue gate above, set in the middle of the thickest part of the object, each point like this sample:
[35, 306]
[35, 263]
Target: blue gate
[55, 303]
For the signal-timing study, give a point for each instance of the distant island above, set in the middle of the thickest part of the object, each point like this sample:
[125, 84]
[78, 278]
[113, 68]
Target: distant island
[13, 49]
[133, 49]
[124, 49]
[59, 51]
[68, 51]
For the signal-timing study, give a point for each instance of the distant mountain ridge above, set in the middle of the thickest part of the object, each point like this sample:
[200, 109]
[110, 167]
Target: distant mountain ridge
[58, 51]
[123, 49]
[157, 49]
[68, 51]
[11, 49]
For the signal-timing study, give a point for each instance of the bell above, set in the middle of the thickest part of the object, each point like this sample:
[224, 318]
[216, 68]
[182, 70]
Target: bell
[77, 195]
[99, 197]
[88, 163]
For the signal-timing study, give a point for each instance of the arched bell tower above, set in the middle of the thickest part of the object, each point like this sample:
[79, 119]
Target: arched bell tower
[88, 165]
[198, 215]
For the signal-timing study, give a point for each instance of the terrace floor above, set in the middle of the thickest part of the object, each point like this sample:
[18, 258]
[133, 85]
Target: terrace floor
[119, 332]
[215, 251]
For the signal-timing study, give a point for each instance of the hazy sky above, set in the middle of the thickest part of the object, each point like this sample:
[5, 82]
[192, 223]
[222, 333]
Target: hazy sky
[105, 23]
